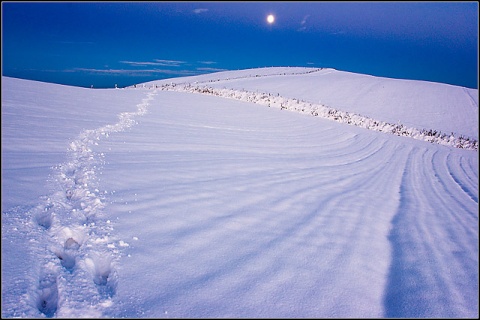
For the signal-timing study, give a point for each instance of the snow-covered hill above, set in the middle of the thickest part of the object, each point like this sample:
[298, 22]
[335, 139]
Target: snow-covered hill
[418, 104]
[148, 202]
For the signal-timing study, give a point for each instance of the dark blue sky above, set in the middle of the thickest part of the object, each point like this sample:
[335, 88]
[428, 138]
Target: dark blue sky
[105, 43]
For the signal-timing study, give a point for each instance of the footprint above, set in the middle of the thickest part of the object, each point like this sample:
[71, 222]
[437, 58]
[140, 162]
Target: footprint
[47, 300]
[71, 244]
[43, 215]
[67, 259]
[68, 255]
[103, 273]
[69, 194]
[69, 252]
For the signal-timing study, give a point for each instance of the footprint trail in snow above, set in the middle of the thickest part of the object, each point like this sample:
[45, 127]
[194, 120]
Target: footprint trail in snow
[80, 251]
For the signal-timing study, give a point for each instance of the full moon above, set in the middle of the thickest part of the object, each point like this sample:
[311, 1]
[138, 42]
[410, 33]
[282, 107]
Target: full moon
[270, 18]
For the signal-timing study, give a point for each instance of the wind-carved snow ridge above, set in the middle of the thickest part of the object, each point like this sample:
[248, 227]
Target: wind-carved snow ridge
[79, 277]
[320, 110]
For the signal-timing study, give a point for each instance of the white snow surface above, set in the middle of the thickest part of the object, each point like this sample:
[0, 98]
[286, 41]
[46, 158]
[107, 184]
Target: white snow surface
[148, 203]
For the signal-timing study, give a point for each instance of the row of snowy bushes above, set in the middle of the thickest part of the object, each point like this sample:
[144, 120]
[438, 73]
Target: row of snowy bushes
[319, 110]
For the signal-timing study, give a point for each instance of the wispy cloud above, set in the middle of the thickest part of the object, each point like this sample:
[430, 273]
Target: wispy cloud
[303, 23]
[136, 72]
[170, 63]
[305, 19]
[151, 68]
[211, 69]
[200, 10]
[140, 63]
[155, 62]
[207, 62]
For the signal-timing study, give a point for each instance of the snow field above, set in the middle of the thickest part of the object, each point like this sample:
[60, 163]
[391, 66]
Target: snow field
[416, 104]
[274, 215]
[213, 207]
[297, 105]
[69, 222]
